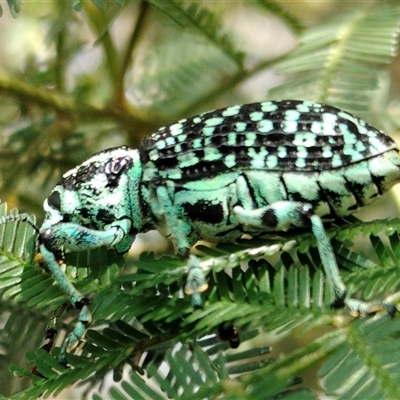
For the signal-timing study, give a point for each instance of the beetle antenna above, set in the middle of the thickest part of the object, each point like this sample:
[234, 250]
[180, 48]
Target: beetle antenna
[19, 217]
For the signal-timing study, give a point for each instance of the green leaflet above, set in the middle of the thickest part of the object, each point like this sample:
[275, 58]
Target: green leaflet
[340, 61]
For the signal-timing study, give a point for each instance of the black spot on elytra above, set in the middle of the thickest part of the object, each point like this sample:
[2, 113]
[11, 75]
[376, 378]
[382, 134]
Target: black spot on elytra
[204, 211]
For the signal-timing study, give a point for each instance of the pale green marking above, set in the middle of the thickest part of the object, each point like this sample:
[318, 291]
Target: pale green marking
[207, 141]
[360, 146]
[182, 138]
[300, 163]
[187, 159]
[268, 106]
[266, 125]
[327, 152]
[263, 151]
[381, 166]
[208, 131]
[214, 121]
[256, 116]
[197, 143]
[176, 129]
[258, 163]
[272, 161]
[197, 120]
[306, 139]
[232, 139]
[350, 138]
[333, 181]
[250, 139]
[178, 148]
[153, 155]
[316, 127]
[322, 208]
[149, 172]
[175, 173]
[331, 140]
[349, 117]
[358, 173]
[329, 118]
[266, 193]
[258, 159]
[336, 161]
[377, 145]
[228, 112]
[304, 107]
[302, 152]
[292, 115]
[371, 134]
[161, 144]
[282, 152]
[302, 183]
[289, 126]
[240, 126]
[230, 160]
[170, 140]
[312, 105]
[211, 154]
[328, 128]
[348, 149]
[344, 129]
[344, 114]
[251, 152]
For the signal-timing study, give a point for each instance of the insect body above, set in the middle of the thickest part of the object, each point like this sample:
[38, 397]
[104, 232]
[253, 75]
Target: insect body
[250, 169]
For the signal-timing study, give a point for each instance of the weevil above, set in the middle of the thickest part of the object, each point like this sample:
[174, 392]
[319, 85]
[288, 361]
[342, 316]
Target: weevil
[247, 169]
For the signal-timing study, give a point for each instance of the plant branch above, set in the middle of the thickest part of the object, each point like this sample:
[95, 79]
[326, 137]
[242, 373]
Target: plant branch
[128, 53]
[62, 103]
[100, 23]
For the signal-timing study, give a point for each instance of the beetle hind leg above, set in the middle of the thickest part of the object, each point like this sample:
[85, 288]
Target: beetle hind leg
[283, 215]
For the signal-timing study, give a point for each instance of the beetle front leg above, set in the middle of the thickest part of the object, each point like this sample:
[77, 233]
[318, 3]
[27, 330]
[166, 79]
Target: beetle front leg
[77, 238]
[284, 215]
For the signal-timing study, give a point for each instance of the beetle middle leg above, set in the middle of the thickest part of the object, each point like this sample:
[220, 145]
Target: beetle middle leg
[195, 282]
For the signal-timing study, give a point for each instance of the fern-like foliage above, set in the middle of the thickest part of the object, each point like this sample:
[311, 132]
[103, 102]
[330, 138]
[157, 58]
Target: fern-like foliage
[143, 321]
[89, 91]
[340, 62]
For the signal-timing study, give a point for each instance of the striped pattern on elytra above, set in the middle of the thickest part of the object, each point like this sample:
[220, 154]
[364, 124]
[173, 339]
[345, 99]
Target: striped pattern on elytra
[255, 168]
[285, 135]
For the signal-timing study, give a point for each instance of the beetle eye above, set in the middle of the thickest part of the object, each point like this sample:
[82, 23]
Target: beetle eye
[54, 200]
